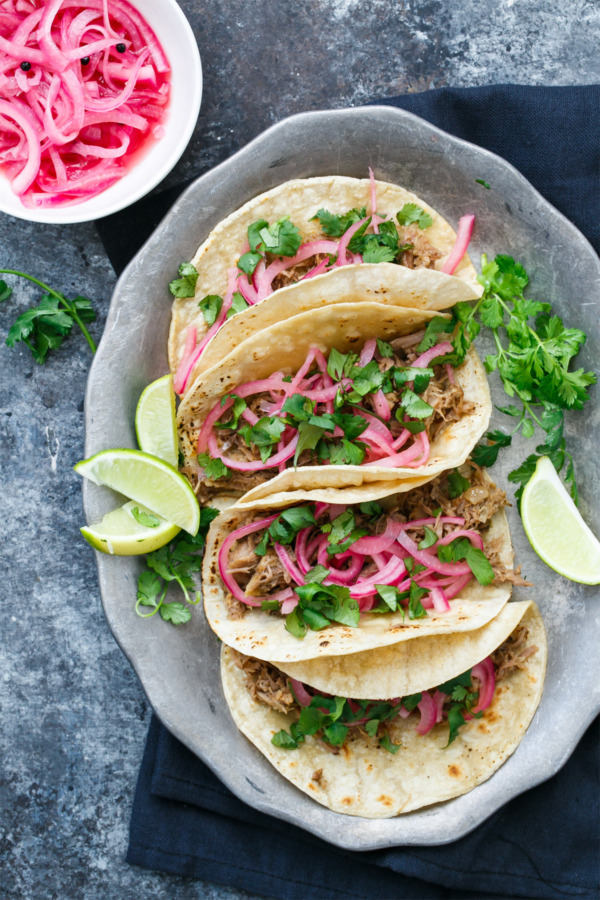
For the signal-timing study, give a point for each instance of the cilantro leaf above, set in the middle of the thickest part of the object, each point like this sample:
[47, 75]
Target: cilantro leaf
[149, 520]
[413, 406]
[185, 285]
[487, 455]
[210, 307]
[411, 213]
[175, 613]
[213, 468]
[457, 484]
[248, 262]
[238, 304]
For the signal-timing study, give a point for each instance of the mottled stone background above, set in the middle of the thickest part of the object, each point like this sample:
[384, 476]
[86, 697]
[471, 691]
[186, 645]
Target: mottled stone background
[73, 715]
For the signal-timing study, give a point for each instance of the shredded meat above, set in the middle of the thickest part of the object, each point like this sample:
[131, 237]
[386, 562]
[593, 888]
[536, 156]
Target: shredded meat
[422, 255]
[501, 572]
[265, 683]
[297, 272]
[269, 575]
[477, 505]
[235, 609]
[448, 402]
[513, 653]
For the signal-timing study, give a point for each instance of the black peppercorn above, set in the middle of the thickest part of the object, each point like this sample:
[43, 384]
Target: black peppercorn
[26, 66]
[85, 60]
[121, 48]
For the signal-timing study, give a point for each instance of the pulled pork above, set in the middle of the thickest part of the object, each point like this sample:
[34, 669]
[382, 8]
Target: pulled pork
[266, 683]
[297, 272]
[476, 505]
[422, 254]
[513, 653]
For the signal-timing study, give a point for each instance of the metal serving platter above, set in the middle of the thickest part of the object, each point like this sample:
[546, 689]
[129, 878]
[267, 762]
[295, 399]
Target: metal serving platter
[179, 667]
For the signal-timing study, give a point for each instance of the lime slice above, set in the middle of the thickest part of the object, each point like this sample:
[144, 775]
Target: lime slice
[147, 480]
[555, 528]
[155, 423]
[121, 534]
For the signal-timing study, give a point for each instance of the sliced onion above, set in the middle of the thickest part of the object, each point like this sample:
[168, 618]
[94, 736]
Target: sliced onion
[465, 230]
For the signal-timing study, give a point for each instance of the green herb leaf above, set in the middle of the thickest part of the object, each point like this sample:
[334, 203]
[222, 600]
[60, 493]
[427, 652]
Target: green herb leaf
[457, 484]
[185, 285]
[175, 613]
[148, 520]
[248, 262]
[210, 307]
[387, 744]
[213, 468]
[411, 213]
[238, 304]
[429, 540]
[413, 406]
[487, 455]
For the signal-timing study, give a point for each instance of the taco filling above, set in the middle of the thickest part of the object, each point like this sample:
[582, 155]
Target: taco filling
[275, 255]
[334, 721]
[317, 564]
[381, 406]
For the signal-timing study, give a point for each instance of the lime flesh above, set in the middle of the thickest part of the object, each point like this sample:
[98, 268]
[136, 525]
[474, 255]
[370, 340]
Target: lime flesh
[155, 422]
[120, 534]
[556, 529]
[148, 480]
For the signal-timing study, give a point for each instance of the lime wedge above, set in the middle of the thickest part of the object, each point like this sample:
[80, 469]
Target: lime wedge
[121, 534]
[155, 423]
[555, 528]
[147, 480]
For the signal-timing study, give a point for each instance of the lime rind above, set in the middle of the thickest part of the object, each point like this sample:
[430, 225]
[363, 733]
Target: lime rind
[120, 534]
[556, 529]
[148, 480]
[155, 421]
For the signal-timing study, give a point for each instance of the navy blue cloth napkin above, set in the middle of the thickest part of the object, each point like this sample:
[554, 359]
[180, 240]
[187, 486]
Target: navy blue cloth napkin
[544, 844]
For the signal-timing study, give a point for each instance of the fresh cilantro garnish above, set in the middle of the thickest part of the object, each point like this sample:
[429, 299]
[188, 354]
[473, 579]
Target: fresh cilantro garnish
[238, 304]
[429, 540]
[416, 610]
[387, 744]
[298, 407]
[389, 595]
[413, 406]
[343, 532]
[371, 508]
[411, 213]
[176, 563]
[239, 405]
[308, 438]
[385, 350]
[482, 182]
[248, 262]
[285, 527]
[462, 548]
[319, 605]
[148, 520]
[336, 226]
[420, 377]
[44, 327]
[534, 351]
[487, 454]
[264, 435]
[347, 453]
[436, 326]
[282, 238]
[185, 285]
[213, 468]
[211, 307]
[340, 364]
[457, 484]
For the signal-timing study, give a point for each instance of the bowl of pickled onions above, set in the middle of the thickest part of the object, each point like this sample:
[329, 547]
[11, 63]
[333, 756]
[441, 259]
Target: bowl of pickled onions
[98, 101]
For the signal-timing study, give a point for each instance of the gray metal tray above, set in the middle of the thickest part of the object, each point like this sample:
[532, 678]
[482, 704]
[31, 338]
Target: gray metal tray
[179, 667]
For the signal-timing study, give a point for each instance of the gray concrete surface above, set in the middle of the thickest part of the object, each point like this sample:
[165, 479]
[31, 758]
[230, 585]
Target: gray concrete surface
[73, 715]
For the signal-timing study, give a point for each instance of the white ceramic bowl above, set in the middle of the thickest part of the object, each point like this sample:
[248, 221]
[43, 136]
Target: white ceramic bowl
[177, 39]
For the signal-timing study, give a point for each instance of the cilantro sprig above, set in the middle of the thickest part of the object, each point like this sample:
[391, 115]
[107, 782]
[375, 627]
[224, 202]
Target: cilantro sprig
[533, 355]
[176, 563]
[44, 327]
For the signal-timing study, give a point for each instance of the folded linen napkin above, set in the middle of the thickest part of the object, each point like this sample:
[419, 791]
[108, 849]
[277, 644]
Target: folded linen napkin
[543, 844]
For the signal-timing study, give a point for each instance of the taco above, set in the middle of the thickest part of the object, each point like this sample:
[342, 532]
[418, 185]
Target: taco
[381, 756]
[308, 229]
[326, 579]
[339, 397]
